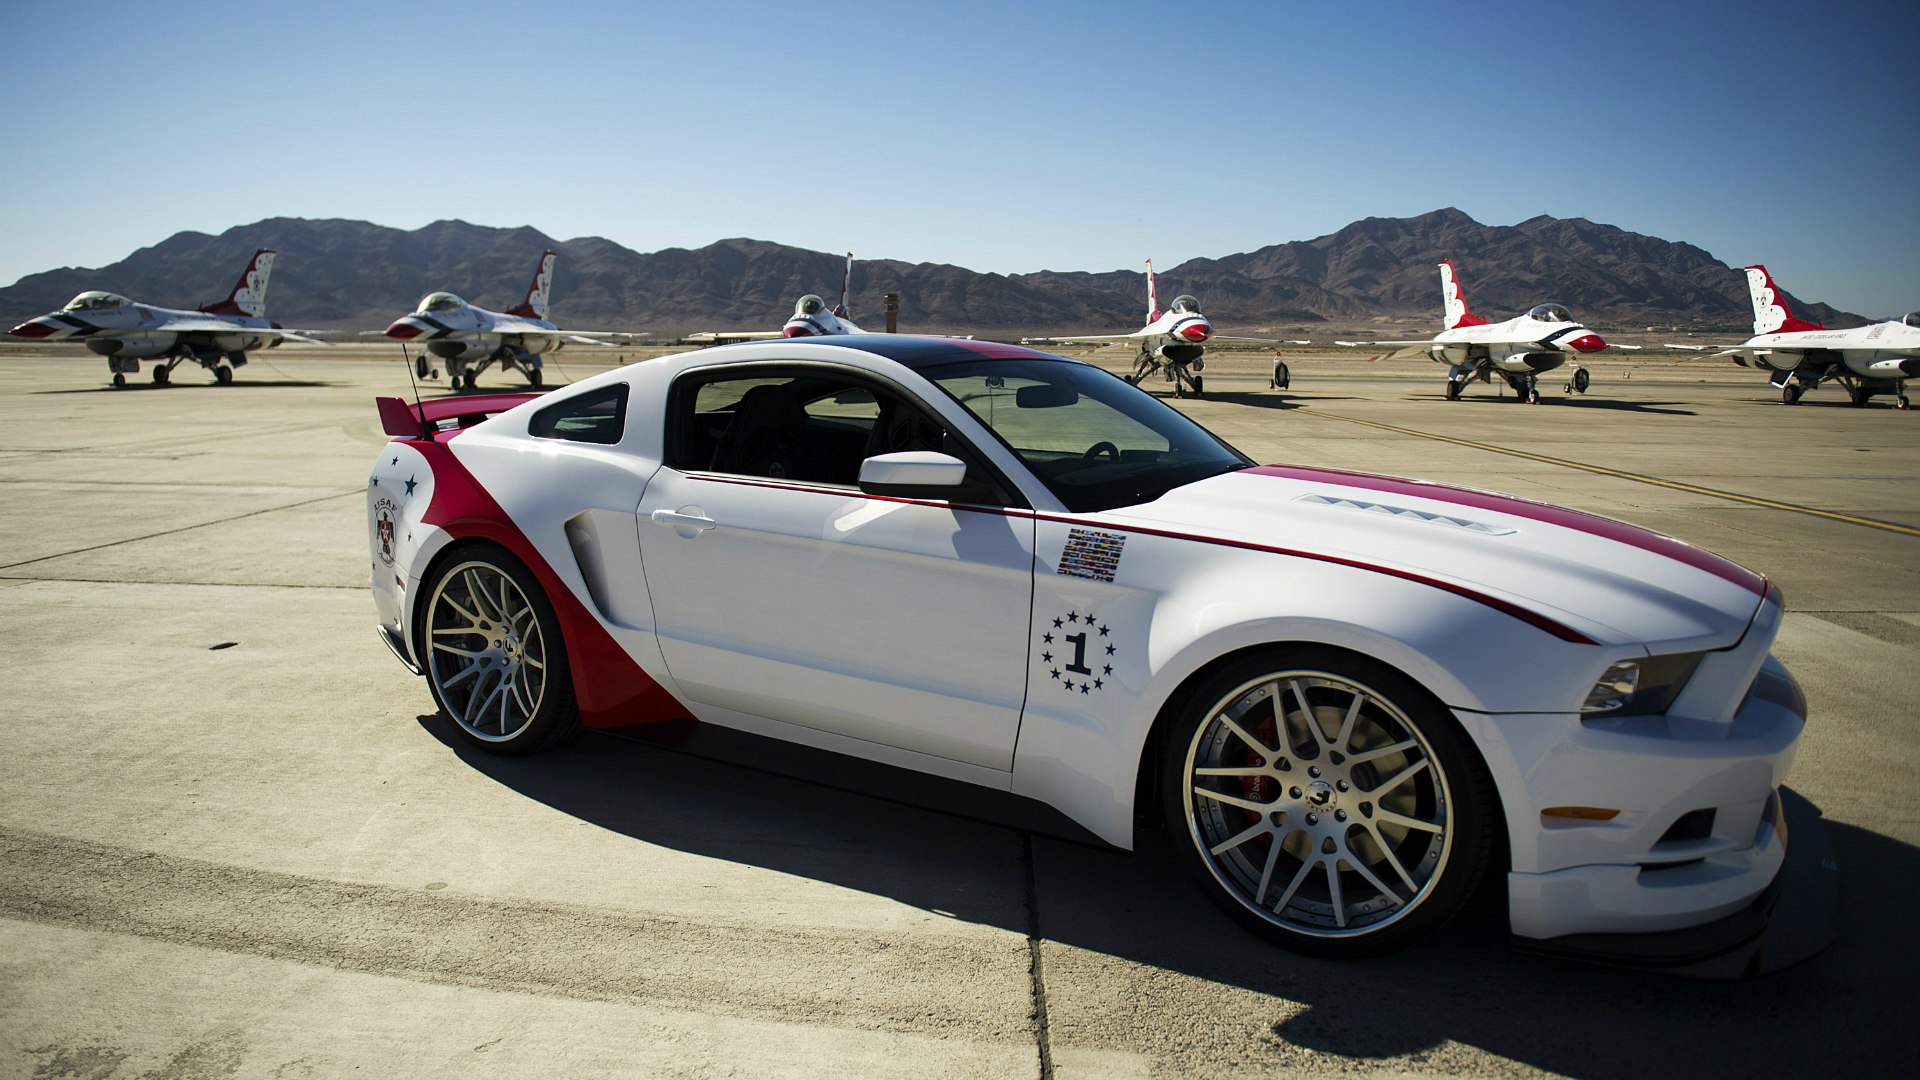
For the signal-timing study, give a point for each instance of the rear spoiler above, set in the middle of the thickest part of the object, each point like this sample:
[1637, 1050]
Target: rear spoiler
[424, 419]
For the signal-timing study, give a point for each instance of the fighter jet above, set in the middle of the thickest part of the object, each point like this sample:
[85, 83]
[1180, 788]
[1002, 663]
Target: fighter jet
[1799, 355]
[1173, 342]
[470, 338]
[810, 319]
[216, 337]
[1518, 350]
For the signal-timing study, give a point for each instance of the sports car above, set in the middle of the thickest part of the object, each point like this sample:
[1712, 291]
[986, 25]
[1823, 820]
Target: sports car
[1346, 698]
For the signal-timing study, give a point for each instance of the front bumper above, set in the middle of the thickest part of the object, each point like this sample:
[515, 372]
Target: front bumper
[1791, 920]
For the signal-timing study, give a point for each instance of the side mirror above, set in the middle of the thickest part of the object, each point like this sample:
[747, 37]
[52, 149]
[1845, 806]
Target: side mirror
[913, 474]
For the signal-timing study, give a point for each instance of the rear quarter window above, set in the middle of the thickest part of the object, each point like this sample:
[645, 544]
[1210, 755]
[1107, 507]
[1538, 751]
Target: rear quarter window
[597, 416]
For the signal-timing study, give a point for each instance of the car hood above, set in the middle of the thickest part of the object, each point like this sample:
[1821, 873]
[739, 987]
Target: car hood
[1614, 582]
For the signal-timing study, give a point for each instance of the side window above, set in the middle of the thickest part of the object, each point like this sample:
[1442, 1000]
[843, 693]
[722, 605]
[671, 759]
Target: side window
[804, 424]
[598, 416]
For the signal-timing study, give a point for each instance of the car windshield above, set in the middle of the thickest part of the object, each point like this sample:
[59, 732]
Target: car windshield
[1093, 440]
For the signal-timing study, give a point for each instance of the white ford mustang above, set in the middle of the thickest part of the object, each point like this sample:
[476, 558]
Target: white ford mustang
[1344, 695]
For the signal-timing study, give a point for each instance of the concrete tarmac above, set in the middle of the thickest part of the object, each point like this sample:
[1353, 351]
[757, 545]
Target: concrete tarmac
[237, 840]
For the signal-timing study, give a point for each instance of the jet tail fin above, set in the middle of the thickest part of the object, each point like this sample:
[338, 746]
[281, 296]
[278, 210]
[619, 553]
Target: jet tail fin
[249, 295]
[535, 305]
[1770, 312]
[1456, 302]
[1153, 296]
[846, 286]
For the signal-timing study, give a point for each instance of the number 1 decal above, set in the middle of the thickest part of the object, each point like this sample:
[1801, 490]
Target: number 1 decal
[1074, 673]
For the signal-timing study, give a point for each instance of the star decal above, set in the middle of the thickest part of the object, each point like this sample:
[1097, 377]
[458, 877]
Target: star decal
[396, 461]
[1065, 657]
[412, 483]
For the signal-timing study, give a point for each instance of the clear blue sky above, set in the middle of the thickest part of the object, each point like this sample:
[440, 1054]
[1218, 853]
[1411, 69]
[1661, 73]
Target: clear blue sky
[998, 136]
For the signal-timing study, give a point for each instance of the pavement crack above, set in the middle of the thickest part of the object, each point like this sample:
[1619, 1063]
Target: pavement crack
[181, 529]
[1042, 1036]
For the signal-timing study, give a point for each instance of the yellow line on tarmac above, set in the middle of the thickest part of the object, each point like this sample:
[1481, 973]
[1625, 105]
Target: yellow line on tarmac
[1636, 477]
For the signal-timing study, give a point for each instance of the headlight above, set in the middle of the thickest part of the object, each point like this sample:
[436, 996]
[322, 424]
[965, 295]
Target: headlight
[1640, 687]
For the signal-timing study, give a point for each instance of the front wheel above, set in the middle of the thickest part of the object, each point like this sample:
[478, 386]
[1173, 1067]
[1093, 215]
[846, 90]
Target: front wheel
[1326, 802]
[495, 660]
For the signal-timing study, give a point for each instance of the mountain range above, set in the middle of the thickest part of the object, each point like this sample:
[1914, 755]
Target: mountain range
[343, 274]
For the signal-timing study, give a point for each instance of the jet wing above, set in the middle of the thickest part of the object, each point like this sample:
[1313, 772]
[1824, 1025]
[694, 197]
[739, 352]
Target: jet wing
[721, 337]
[1422, 343]
[1087, 339]
[216, 326]
[1262, 340]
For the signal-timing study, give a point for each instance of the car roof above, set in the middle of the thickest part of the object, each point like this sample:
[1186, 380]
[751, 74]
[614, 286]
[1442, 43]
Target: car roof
[907, 349]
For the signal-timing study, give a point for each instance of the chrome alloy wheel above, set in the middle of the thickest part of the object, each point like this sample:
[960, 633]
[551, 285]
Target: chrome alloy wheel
[486, 654]
[1317, 804]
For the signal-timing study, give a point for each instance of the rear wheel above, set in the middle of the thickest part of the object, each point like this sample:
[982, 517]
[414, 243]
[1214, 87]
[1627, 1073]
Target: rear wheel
[1326, 802]
[533, 378]
[223, 375]
[1282, 378]
[1790, 394]
[1453, 389]
[495, 659]
[161, 375]
[119, 381]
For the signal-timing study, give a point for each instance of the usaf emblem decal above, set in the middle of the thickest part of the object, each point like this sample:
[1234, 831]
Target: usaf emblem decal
[383, 528]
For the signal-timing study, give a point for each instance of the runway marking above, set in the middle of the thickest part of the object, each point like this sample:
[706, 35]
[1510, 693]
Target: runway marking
[1731, 496]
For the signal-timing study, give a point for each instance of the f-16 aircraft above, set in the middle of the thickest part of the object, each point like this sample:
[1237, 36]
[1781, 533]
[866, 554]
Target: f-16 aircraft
[1518, 350]
[216, 337]
[1173, 342]
[1800, 355]
[810, 319]
[470, 338]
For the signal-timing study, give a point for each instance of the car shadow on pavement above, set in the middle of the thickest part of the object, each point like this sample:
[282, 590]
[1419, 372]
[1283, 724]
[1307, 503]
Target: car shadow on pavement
[959, 851]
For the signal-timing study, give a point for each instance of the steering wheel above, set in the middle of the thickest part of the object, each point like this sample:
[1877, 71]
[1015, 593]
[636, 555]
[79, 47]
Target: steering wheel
[1103, 446]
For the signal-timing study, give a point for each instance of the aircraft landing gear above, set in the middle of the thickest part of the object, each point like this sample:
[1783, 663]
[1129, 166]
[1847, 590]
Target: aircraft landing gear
[1860, 395]
[1579, 382]
[1790, 393]
[1453, 389]
[161, 374]
[119, 381]
[1282, 378]
[223, 375]
[533, 378]
[420, 365]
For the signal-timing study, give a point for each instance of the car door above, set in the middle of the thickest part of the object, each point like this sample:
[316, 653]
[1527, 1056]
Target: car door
[781, 591]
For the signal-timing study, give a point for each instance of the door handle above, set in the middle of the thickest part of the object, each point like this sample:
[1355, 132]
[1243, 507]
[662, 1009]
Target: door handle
[675, 520]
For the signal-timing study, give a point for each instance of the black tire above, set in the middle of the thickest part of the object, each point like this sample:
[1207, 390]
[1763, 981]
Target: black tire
[533, 378]
[420, 365]
[1199, 386]
[1790, 394]
[1282, 378]
[161, 375]
[1453, 389]
[119, 381]
[1369, 849]
[1860, 397]
[494, 657]
[1581, 380]
[223, 376]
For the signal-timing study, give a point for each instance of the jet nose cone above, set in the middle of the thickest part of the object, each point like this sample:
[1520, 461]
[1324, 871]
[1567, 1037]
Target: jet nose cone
[34, 329]
[403, 330]
[1587, 343]
[795, 331]
[1196, 332]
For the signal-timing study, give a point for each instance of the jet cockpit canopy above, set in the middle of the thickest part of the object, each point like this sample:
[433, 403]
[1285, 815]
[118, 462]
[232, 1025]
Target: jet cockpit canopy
[97, 301]
[441, 301]
[1185, 305]
[1550, 313]
[810, 305]
[1912, 319]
